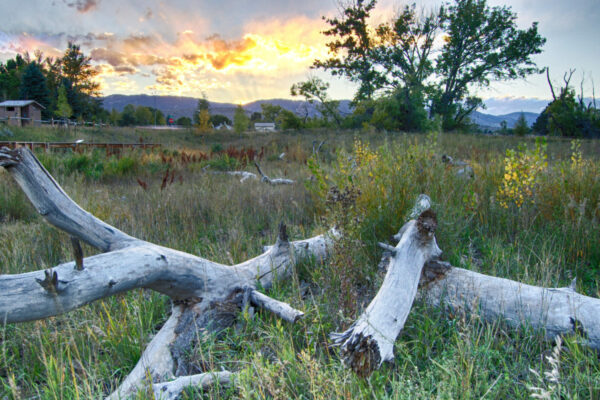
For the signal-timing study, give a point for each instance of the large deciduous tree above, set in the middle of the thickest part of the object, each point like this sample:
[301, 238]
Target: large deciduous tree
[351, 48]
[482, 44]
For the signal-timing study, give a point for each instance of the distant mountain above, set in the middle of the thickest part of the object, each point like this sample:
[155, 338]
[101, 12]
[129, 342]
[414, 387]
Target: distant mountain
[185, 106]
[493, 121]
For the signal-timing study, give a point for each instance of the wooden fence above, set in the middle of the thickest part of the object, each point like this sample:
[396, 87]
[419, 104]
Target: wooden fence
[112, 147]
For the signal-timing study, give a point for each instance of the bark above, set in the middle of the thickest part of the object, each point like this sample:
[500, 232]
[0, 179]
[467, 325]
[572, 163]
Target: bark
[206, 295]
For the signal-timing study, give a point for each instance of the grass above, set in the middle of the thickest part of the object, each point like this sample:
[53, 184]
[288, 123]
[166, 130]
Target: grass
[547, 241]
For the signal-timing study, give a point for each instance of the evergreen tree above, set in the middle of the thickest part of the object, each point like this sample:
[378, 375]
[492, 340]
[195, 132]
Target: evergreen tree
[33, 87]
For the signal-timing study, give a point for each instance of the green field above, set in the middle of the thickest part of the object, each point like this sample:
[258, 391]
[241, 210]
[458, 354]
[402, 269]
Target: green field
[537, 222]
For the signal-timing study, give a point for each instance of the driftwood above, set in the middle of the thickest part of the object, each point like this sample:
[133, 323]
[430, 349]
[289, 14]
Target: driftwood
[243, 175]
[206, 295]
[273, 181]
[369, 341]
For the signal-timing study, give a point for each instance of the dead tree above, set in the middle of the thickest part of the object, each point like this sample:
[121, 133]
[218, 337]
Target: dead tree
[413, 261]
[206, 295]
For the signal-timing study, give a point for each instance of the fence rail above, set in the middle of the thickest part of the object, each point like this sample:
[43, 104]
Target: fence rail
[78, 146]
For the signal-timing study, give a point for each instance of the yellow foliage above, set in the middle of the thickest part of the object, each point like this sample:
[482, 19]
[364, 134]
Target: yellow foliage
[522, 170]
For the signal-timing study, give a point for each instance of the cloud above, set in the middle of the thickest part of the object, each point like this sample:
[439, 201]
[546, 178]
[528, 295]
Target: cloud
[83, 6]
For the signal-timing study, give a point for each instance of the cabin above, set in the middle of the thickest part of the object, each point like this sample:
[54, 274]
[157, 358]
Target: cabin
[21, 113]
[264, 126]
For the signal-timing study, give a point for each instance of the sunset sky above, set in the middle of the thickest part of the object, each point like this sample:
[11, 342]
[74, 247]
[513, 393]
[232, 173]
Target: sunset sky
[239, 51]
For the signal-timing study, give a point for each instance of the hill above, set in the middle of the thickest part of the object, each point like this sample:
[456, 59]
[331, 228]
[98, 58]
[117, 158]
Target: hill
[185, 106]
[494, 121]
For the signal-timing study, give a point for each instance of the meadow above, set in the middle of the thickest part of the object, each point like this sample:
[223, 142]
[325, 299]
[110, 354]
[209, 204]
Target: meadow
[530, 212]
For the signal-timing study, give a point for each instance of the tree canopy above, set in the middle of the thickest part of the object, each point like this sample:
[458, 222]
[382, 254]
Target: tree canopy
[480, 44]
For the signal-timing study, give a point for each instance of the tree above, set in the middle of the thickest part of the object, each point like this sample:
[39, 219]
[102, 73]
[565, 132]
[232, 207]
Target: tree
[186, 122]
[127, 116]
[77, 68]
[143, 116]
[203, 105]
[405, 47]
[567, 115]
[219, 119]
[202, 115]
[33, 87]
[270, 112]
[240, 120]
[10, 77]
[289, 120]
[402, 110]
[521, 127]
[351, 48]
[481, 44]
[63, 109]
[315, 89]
[255, 117]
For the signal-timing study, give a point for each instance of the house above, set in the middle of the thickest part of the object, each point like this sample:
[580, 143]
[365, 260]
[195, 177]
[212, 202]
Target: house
[264, 126]
[21, 112]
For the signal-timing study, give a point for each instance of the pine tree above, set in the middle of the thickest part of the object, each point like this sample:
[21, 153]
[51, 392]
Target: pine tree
[33, 87]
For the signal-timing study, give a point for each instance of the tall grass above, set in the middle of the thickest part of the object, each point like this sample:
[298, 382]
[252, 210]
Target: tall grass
[548, 241]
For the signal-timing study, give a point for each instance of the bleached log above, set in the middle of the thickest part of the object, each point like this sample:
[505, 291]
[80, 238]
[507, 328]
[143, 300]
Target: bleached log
[279, 308]
[370, 340]
[173, 389]
[201, 289]
[273, 181]
[554, 311]
[243, 175]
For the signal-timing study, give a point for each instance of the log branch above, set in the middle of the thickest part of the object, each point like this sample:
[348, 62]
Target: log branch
[279, 308]
[56, 206]
[173, 389]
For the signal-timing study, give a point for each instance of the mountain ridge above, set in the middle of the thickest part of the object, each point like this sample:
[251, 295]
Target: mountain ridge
[181, 106]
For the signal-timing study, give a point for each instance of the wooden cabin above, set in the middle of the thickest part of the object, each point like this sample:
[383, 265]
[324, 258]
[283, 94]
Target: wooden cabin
[21, 113]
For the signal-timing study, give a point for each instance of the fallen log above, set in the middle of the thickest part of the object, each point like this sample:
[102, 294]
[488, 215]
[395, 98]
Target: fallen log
[206, 295]
[369, 341]
[273, 181]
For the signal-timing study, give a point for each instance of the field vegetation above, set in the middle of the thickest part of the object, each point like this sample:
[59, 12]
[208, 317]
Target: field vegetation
[530, 213]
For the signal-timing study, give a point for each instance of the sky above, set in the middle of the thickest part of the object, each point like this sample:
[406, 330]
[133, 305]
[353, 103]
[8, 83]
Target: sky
[244, 50]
